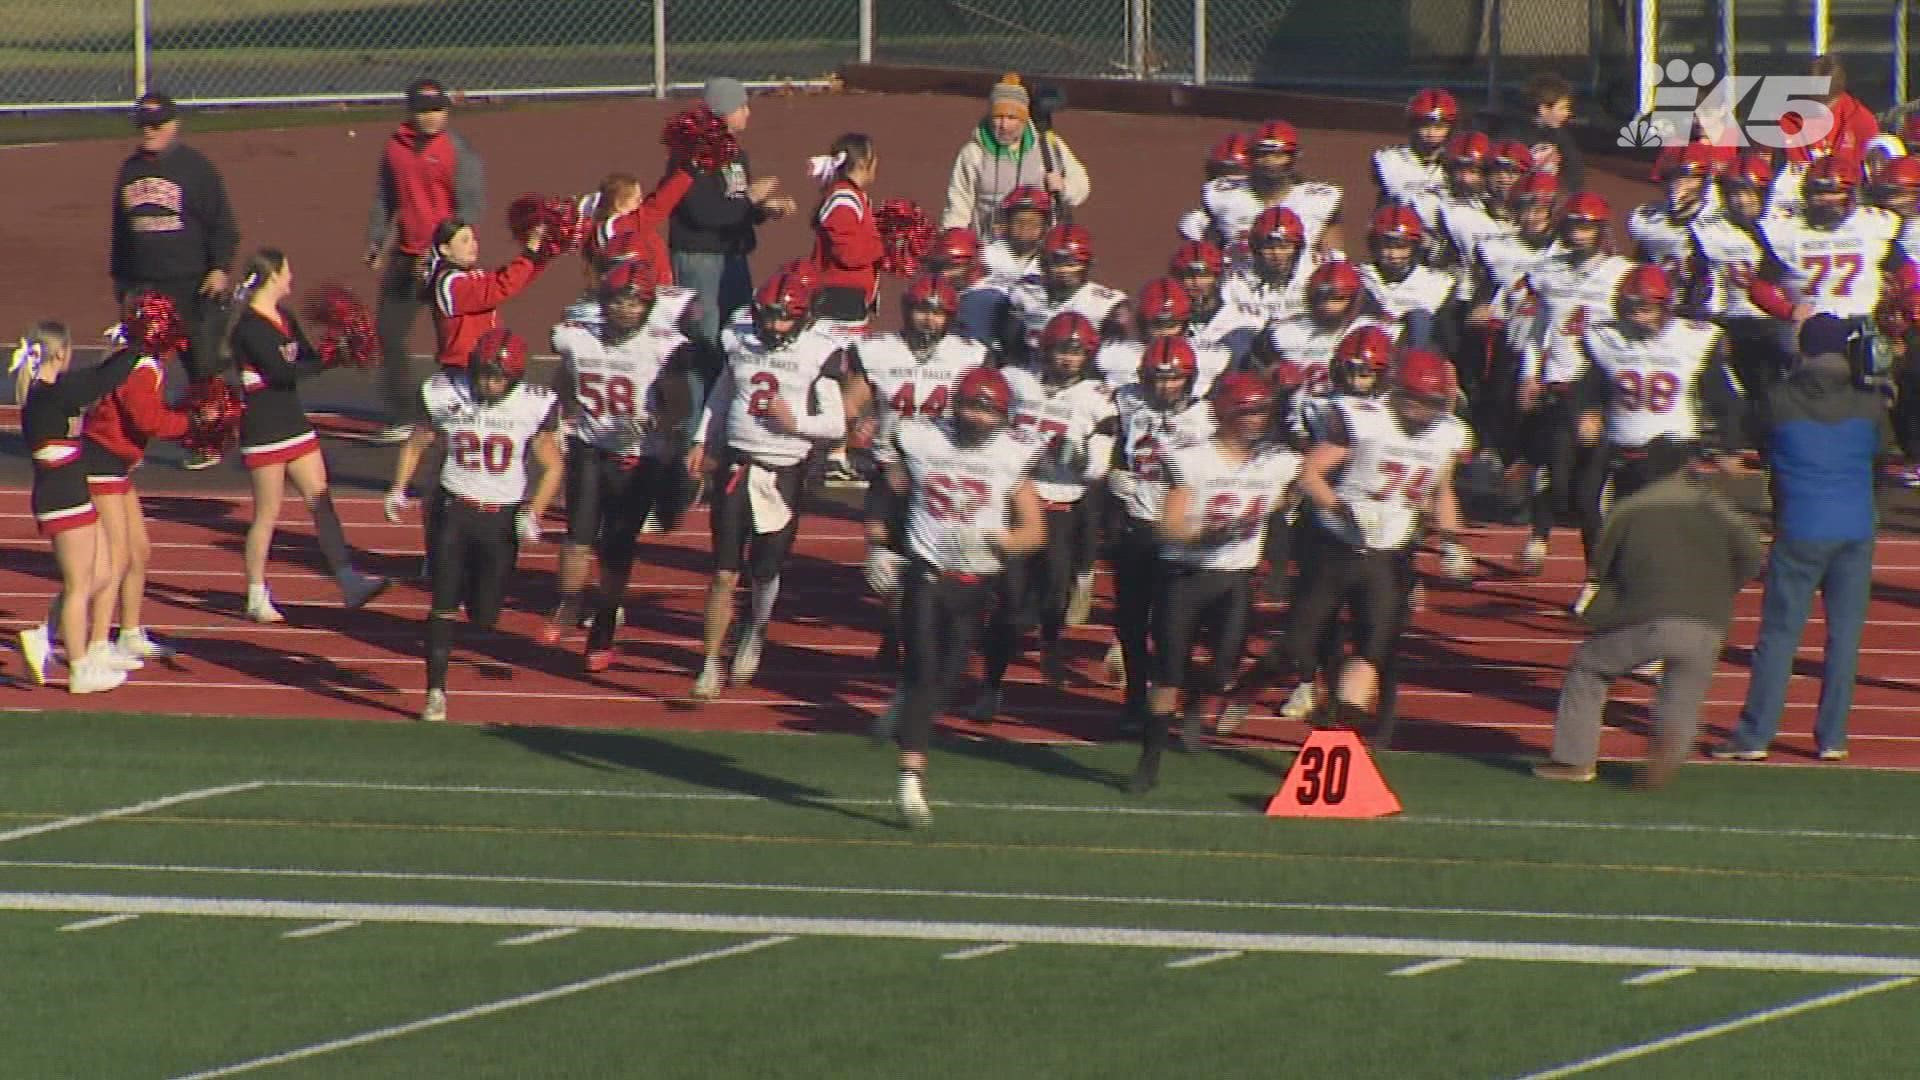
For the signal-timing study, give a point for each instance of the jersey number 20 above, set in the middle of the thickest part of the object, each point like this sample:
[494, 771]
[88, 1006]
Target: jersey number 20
[492, 454]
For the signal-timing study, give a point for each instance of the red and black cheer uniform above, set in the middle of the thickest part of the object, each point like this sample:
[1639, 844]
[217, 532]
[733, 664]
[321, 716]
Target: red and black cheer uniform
[269, 350]
[119, 426]
[50, 423]
[846, 253]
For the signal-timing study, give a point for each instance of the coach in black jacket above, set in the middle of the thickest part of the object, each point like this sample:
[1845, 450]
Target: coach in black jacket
[173, 230]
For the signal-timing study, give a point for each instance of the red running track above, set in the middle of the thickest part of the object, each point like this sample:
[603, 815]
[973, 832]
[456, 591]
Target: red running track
[1480, 673]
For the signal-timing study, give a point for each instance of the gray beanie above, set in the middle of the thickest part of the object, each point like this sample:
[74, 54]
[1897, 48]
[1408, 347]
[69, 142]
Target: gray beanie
[724, 95]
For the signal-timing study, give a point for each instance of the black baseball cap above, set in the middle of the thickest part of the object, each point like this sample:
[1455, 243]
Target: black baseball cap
[427, 95]
[153, 110]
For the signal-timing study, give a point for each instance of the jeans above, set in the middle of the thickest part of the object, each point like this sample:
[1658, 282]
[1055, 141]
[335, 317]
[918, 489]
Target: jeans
[401, 299]
[1843, 572]
[723, 283]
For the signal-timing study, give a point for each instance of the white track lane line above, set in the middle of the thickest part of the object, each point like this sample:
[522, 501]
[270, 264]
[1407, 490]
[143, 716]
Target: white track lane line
[538, 936]
[427, 1023]
[324, 928]
[1426, 967]
[1204, 959]
[98, 923]
[1740, 1023]
[1656, 976]
[980, 951]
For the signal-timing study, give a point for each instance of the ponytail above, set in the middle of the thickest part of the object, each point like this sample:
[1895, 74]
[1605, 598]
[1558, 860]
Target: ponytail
[36, 347]
[847, 152]
[264, 264]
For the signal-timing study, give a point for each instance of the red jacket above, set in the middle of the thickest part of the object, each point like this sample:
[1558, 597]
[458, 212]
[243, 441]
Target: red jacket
[417, 189]
[640, 227]
[466, 305]
[846, 241]
[1853, 127]
[123, 421]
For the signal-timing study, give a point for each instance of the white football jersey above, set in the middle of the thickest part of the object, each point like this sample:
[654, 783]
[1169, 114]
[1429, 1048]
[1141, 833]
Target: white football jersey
[1306, 348]
[1732, 254]
[615, 386]
[1406, 179]
[1248, 305]
[1390, 477]
[1660, 239]
[486, 459]
[803, 373]
[1410, 303]
[960, 496]
[1073, 424]
[1230, 204]
[906, 384]
[1235, 496]
[1786, 198]
[1569, 296]
[1502, 259]
[1460, 224]
[1036, 309]
[1005, 269]
[1148, 433]
[1837, 270]
[1654, 381]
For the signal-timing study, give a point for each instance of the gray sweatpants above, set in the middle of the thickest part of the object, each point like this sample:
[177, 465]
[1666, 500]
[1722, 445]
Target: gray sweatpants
[1689, 648]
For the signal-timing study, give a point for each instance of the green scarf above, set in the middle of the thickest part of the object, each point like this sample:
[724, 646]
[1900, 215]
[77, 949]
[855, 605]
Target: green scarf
[984, 134]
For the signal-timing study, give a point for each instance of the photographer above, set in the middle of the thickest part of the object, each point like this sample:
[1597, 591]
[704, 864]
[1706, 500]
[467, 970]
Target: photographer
[1015, 146]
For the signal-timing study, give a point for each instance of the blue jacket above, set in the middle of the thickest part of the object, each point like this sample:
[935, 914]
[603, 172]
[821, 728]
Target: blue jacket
[1822, 433]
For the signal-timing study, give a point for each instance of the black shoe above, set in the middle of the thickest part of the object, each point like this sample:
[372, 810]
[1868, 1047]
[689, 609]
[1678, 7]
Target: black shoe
[1146, 775]
[1193, 727]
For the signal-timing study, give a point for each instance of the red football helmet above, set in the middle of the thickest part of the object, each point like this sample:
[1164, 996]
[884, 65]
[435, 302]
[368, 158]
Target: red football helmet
[1748, 171]
[787, 294]
[1432, 107]
[1587, 208]
[1167, 357]
[958, 246]
[930, 291]
[1536, 187]
[1163, 300]
[1240, 393]
[1469, 149]
[1647, 284]
[1514, 156]
[629, 277]
[1698, 160]
[805, 275]
[1369, 347]
[1231, 156]
[1276, 137]
[1395, 222]
[1835, 172]
[1197, 257]
[1426, 377]
[499, 352]
[1335, 280]
[1902, 173]
[1027, 197]
[1276, 224]
[985, 387]
[1070, 328]
[1067, 244]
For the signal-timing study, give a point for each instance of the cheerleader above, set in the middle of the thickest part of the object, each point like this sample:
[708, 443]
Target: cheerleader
[277, 444]
[846, 239]
[118, 428]
[52, 398]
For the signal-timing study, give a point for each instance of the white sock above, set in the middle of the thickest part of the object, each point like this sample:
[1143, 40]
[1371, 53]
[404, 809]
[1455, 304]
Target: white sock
[134, 633]
[764, 594]
[257, 593]
[711, 667]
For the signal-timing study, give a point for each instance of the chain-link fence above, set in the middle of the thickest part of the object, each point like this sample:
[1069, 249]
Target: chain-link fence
[100, 53]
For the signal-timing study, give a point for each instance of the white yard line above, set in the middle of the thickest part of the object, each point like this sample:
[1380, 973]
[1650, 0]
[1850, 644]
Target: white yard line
[1655, 978]
[427, 1023]
[1087, 899]
[1204, 959]
[1693, 1035]
[333, 927]
[99, 922]
[97, 816]
[1426, 967]
[1019, 933]
[980, 951]
[539, 936]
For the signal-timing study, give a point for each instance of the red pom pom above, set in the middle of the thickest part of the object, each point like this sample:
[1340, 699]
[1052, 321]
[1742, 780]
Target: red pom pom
[565, 227]
[347, 336]
[153, 326]
[698, 140]
[906, 233]
[213, 411]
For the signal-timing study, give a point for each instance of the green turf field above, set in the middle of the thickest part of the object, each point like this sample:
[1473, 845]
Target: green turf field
[206, 897]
